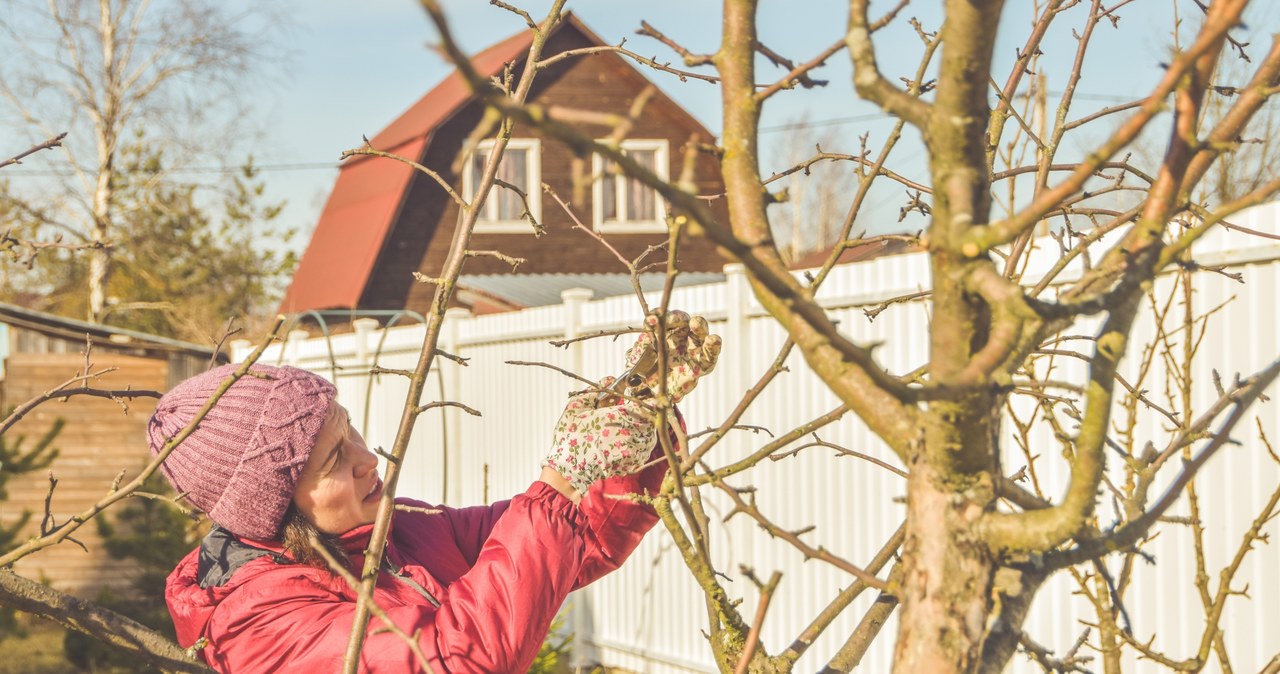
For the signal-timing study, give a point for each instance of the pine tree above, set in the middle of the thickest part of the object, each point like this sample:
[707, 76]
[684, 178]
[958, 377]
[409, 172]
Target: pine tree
[15, 461]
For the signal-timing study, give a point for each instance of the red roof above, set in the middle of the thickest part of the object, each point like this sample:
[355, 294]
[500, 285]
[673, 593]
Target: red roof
[367, 196]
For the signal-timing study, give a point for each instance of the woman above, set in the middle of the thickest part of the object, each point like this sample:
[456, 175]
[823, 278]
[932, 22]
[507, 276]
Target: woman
[276, 466]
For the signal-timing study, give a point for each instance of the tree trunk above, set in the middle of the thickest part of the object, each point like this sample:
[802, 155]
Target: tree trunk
[947, 589]
[99, 265]
[108, 128]
[100, 234]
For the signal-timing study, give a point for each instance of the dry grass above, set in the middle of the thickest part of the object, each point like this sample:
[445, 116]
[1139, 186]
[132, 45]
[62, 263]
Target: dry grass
[39, 652]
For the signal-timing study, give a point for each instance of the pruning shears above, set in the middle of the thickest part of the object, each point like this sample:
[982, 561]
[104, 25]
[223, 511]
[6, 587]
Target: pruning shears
[633, 378]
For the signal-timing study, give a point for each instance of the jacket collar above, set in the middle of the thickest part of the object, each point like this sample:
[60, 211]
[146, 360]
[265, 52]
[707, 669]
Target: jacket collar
[222, 553]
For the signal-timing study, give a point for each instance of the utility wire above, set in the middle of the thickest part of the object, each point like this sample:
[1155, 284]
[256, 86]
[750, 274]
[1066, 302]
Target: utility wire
[314, 166]
[301, 166]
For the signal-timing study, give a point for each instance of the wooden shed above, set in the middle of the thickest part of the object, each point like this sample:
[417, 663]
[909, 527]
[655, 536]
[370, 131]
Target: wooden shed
[101, 438]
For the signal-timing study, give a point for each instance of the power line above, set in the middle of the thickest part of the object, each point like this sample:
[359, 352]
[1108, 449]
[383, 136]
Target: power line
[312, 166]
[297, 166]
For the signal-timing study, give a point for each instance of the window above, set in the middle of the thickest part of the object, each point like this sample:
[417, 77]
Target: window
[623, 204]
[521, 166]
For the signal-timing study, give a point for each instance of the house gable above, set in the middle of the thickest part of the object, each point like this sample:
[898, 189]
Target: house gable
[369, 192]
[602, 83]
[384, 220]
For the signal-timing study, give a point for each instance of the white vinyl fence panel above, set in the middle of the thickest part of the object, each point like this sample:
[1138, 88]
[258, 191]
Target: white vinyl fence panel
[649, 616]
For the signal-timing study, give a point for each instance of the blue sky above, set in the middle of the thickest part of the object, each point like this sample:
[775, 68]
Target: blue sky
[352, 67]
[355, 66]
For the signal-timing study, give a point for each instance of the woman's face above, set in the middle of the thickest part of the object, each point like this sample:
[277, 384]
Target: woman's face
[339, 487]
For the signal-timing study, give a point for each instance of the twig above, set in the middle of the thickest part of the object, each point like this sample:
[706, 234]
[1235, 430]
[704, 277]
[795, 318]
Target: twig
[793, 538]
[60, 392]
[368, 150]
[528, 20]
[1129, 533]
[378, 369]
[447, 403]
[875, 311]
[514, 262]
[227, 333]
[1044, 657]
[465, 362]
[11, 246]
[594, 385]
[562, 343]
[735, 427]
[811, 633]
[683, 75]
[840, 451]
[766, 450]
[139, 641]
[753, 637]
[404, 507]
[799, 74]
[527, 213]
[445, 286]
[56, 141]
[690, 59]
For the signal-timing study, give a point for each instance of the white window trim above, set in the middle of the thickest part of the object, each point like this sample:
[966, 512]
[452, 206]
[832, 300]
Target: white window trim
[533, 169]
[662, 162]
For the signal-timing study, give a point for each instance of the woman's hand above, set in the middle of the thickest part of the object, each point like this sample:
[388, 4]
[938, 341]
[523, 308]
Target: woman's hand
[592, 443]
[691, 353]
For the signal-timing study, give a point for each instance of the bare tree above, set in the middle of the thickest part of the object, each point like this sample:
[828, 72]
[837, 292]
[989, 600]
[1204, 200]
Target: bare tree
[977, 545]
[970, 567]
[105, 70]
[810, 209]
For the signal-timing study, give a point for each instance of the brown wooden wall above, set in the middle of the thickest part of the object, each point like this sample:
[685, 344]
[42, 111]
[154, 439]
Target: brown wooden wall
[98, 441]
[603, 83]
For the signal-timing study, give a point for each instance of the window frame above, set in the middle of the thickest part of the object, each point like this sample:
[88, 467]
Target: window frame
[533, 187]
[662, 166]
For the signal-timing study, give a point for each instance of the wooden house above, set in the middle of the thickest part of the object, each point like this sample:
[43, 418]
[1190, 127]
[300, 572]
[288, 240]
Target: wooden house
[100, 439]
[384, 221]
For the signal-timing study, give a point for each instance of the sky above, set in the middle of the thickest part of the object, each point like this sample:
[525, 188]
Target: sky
[346, 69]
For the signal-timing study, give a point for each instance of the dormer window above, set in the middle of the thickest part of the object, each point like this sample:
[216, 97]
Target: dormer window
[503, 211]
[624, 205]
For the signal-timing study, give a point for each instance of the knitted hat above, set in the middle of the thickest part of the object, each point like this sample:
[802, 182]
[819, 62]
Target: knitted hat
[241, 464]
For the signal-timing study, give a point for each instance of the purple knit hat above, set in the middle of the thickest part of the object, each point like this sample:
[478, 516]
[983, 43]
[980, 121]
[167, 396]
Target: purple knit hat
[241, 465]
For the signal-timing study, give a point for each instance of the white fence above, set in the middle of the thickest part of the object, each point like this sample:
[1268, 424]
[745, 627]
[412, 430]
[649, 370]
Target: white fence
[648, 617]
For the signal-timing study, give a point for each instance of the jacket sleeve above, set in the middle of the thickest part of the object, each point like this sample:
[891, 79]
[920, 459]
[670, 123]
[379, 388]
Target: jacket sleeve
[616, 521]
[496, 616]
[471, 526]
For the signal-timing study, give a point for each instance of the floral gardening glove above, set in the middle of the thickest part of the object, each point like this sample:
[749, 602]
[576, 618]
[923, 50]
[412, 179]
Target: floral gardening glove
[691, 354]
[592, 443]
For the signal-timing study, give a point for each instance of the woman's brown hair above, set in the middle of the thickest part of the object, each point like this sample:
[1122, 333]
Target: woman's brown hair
[297, 536]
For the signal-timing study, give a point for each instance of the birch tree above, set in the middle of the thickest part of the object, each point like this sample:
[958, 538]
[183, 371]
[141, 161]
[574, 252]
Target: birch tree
[102, 70]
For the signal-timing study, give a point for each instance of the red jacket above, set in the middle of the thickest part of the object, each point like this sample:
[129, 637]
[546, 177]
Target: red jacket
[479, 586]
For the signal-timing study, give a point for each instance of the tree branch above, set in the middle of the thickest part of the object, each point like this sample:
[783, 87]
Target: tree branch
[1133, 531]
[139, 641]
[868, 80]
[1209, 40]
[56, 141]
